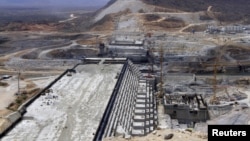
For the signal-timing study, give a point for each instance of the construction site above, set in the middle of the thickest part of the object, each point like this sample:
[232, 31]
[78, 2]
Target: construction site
[151, 73]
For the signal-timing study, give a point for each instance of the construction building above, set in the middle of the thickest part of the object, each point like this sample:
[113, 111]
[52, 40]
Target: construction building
[128, 45]
[186, 108]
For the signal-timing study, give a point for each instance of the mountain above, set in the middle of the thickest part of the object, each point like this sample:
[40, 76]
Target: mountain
[54, 3]
[152, 13]
[115, 6]
[225, 10]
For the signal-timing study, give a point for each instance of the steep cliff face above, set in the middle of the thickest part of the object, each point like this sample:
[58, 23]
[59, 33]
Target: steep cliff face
[110, 3]
[115, 6]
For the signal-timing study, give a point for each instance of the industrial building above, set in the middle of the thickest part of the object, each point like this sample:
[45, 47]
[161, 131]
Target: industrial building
[128, 45]
[231, 29]
[187, 108]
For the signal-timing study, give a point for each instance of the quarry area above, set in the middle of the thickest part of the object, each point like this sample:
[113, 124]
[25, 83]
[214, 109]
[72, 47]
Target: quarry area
[134, 70]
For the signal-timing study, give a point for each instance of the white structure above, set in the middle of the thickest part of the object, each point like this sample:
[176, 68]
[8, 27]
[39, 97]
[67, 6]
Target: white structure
[129, 46]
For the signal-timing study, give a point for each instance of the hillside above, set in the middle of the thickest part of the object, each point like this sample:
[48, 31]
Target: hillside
[45, 19]
[182, 15]
[115, 6]
[225, 10]
[33, 19]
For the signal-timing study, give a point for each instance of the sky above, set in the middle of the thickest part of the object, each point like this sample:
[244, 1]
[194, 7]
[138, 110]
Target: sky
[67, 3]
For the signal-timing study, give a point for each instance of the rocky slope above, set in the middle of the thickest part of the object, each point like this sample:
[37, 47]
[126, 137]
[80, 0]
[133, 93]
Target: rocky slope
[120, 5]
[225, 10]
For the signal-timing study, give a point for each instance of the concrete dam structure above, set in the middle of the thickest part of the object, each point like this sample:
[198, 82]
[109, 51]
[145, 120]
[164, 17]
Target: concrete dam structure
[134, 109]
[129, 45]
[100, 98]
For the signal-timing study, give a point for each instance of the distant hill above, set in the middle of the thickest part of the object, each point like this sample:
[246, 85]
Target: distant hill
[45, 19]
[225, 10]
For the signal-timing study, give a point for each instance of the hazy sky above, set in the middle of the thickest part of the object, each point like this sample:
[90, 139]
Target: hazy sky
[80, 3]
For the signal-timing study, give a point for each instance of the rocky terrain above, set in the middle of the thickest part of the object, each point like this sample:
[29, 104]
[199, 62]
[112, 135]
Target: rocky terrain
[228, 11]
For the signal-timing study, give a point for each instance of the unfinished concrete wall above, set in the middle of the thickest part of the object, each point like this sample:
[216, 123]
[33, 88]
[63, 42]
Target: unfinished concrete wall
[8, 122]
[136, 54]
[184, 114]
[134, 110]
[123, 45]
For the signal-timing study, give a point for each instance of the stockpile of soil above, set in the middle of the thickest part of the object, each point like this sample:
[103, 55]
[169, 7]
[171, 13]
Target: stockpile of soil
[155, 21]
[72, 53]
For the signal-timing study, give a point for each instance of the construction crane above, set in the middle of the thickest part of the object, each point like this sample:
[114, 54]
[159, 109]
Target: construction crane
[227, 93]
[161, 94]
[214, 99]
[161, 60]
[151, 60]
[217, 63]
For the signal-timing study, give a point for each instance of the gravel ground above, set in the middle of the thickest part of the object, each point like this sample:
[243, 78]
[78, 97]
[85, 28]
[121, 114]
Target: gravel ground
[159, 135]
